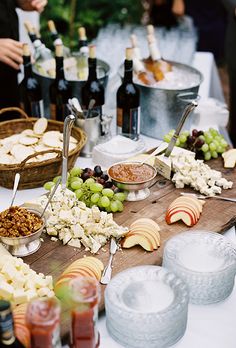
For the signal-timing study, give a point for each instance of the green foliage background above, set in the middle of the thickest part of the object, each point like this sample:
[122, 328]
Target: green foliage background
[93, 14]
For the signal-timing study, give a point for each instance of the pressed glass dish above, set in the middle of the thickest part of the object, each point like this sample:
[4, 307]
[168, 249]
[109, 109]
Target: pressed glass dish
[146, 306]
[206, 261]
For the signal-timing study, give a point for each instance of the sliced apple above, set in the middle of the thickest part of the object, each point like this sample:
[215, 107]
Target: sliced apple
[144, 242]
[186, 205]
[183, 215]
[188, 200]
[145, 234]
[148, 233]
[147, 221]
[22, 333]
[89, 269]
[188, 209]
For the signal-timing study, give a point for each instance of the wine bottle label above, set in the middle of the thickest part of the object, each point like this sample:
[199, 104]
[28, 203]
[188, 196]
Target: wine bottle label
[129, 122]
[6, 327]
[154, 51]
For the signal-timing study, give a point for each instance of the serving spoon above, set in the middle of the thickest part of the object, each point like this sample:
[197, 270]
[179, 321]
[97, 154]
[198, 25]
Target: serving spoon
[15, 187]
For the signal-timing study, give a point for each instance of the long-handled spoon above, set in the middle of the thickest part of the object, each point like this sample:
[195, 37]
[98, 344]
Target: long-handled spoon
[68, 123]
[15, 187]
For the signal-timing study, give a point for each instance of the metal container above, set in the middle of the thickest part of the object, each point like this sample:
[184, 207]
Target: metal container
[92, 127]
[25, 245]
[161, 108]
[137, 190]
[103, 70]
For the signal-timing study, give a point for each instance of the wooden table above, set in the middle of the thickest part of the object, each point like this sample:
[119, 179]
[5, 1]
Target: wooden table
[52, 258]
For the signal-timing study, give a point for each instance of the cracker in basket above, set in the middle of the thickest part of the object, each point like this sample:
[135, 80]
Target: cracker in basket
[51, 139]
[11, 139]
[72, 146]
[28, 140]
[40, 125]
[6, 159]
[20, 152]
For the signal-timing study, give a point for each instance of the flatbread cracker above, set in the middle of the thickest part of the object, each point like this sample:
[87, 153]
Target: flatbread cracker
[40, 125]
[6, 159]
[28, 140]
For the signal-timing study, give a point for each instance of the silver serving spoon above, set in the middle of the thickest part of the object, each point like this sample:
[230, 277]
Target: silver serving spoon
[15, 187]
[68, 123]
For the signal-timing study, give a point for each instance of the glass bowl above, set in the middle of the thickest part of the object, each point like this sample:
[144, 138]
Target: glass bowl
[25, 245]
[146, 306]
[206, 261]
[137, 190]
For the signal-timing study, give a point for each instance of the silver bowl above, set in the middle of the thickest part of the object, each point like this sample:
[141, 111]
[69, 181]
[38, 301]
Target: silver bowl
[24, 246]
[137, 190]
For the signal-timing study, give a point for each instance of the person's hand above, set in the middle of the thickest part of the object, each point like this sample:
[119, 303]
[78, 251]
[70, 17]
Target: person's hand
[178, 8]
[32, 5]
[11, 53]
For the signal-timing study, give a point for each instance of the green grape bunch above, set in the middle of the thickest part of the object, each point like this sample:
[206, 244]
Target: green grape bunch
[93, 187]
[207, 145]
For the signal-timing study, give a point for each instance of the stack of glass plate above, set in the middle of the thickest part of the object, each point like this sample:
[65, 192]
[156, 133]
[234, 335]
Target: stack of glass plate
[146, 306]
[206, 261]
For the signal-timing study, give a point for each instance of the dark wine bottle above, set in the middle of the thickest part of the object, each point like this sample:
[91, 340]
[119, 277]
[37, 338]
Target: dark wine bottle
[128, 102]
[30, 92]
[7, 336]
[83, 41]
[57, 39]
[60, 90]
[93, 89]
[82, 59]
[42, 53]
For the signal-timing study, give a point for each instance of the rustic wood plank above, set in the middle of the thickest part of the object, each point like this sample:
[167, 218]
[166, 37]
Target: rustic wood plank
[52, 258]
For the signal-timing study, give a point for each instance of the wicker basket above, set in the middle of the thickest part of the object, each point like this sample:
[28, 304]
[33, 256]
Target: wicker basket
[35, 174]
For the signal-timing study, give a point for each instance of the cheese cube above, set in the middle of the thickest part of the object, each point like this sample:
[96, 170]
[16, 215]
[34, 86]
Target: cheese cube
[18, 282]
[6, 291]
[20, 296]
[9, 271]
[43, 292]
[31, 294]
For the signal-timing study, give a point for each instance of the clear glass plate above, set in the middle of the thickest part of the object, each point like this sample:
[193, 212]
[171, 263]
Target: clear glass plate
[146, 306]
[206, 261]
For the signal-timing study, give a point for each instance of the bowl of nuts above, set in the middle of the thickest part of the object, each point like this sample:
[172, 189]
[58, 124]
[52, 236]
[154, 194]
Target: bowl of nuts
[20, 230]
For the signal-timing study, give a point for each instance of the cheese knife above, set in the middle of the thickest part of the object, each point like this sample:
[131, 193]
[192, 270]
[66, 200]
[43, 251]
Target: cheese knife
[106, 275]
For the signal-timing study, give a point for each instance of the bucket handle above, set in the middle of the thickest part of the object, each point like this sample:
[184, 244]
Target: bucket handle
[188, 97]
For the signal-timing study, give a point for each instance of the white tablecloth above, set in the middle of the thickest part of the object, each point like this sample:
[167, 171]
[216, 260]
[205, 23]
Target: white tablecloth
[210, 326]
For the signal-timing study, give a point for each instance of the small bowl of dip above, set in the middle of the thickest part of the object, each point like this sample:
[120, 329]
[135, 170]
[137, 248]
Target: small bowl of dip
[133, 177]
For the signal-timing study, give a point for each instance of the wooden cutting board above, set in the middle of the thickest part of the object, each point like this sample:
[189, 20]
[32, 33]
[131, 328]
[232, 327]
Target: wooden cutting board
[52, 258]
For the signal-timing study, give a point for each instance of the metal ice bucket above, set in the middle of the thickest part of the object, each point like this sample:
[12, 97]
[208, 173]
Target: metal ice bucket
[161, 108]
[103, 70]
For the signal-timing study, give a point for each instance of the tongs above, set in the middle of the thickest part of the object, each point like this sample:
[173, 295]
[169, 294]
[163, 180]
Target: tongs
[68, 123]
[163, 161]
